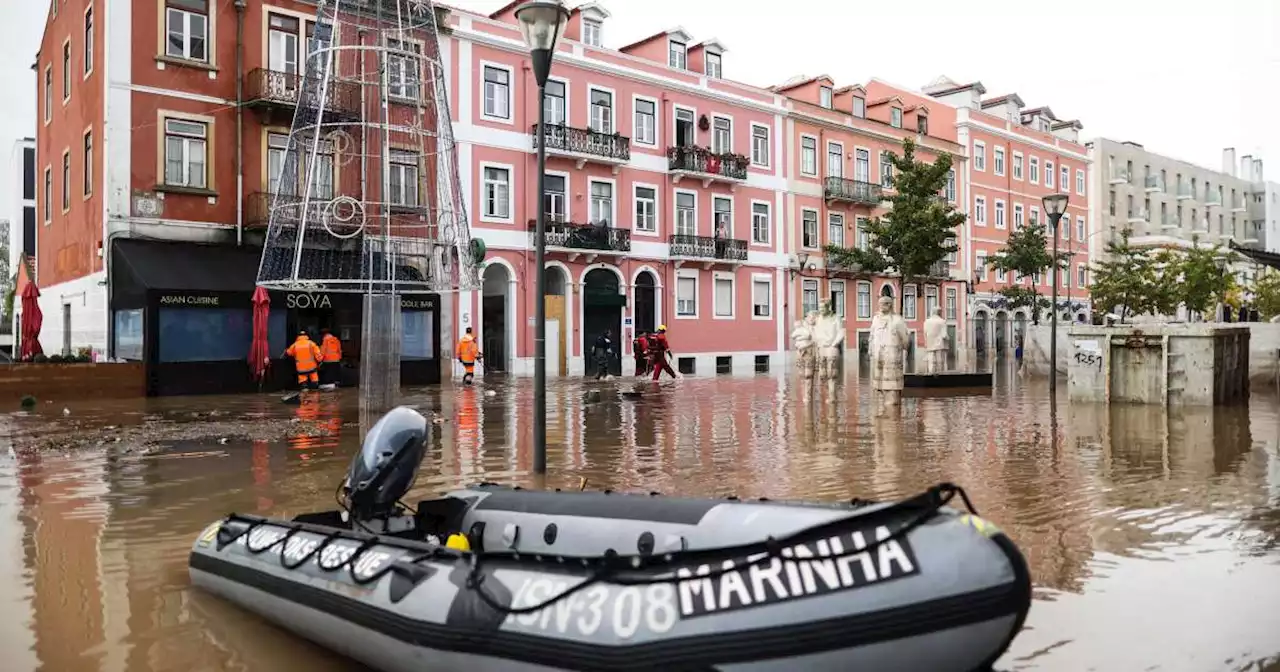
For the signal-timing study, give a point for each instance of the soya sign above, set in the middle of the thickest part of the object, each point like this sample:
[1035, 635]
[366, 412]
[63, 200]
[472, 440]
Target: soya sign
[306, 301]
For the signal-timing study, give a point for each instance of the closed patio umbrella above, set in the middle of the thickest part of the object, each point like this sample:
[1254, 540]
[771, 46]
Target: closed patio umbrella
[259, 355]
[32, 319]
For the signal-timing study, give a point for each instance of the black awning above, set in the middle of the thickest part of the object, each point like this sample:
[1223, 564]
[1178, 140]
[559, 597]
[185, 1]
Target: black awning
[139, 266]
[1260, 256]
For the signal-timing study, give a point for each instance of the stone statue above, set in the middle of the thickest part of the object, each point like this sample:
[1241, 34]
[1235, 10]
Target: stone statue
[889, 339]
[935, 343]
[802, 339]
[828, 334]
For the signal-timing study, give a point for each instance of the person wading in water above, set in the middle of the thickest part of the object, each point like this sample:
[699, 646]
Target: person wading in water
[640, 348]
[603, 353]
[468, 353]
[658, 348]
[306, 360]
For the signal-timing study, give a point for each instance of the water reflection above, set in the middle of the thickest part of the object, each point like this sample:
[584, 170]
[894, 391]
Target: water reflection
[1152, 536]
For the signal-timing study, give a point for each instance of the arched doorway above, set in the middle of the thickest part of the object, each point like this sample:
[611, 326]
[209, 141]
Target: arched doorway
[980, 327]
[602, 306]
[556, 280]
[1001, 331]
[494, 303]
[646, 307]
[1019, 329]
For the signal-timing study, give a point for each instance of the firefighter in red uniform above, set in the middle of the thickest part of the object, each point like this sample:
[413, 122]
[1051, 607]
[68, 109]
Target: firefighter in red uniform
[640, 348]
[658, 348]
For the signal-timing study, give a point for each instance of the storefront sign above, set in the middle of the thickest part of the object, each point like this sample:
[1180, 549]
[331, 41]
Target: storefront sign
[407, 303]
[189, 300]
[306, 300]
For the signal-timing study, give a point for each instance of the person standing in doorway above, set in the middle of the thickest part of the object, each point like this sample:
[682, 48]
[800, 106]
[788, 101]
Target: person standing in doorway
[306, 360]
[469, 353]
[331, 348]
[640, 348]
[602, 351]
[658, 348]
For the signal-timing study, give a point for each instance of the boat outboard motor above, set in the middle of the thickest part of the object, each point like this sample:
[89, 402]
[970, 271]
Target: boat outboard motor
[384, 471]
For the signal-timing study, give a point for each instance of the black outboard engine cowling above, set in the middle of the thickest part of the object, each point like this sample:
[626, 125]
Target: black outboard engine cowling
[385, 470]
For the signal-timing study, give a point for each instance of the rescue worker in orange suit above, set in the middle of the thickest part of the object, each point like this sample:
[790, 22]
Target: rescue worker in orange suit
[306, 360]
[469, 353]
[331, 366]
[658, 348]
[640, 348]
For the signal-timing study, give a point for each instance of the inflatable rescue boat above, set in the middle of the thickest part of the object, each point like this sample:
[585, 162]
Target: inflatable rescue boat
[493, 578]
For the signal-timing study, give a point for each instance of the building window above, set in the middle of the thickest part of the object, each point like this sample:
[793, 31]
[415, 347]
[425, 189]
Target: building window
[1000, 276]
[677, 56]
[1017, 166]
[646, 130]
[591, 33]
[1017, 216]
[497, 193]
[836, 291]
[895, 117]
[185, 153]
[982, 266]
[48, 93]
[886, 170]
[859, 108]
[48, 195]
[724, 296]
[922, 124]
[1080, 181]
[761, 298]
[864, 300]
[979, 156]
[713, 65]
[277, 151]
[835, 160]
[282, 44]
[999, 160]
[809, 297]
[187, 29]
[687, 296]
[686, 214]
[497, 93]
[1035, 215]
[87, 162]
[862, 165]
[809, 229]
[403, 177]
[760, 145]
[951, 303]
[1048, 174]
[646, 209]
[909, 302]
[1082, 276]
[825, 97]
[721, 135]
[930, 299]
[66, 180]
[602, 203]
[862, 238]
[601, 111]
[951, 186]
[808, 156]
[980, 210]
[88, 40]
[66, 71]
[1081, 231]
[555, 198]
[760, 223]
[555, 105]
[722, 216]
[999, 214]
[322, 185]
[1035, 170]
[1064, 182]
[835, 229]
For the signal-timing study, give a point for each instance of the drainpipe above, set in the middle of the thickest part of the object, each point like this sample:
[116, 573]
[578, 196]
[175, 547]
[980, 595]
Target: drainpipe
[240, 6]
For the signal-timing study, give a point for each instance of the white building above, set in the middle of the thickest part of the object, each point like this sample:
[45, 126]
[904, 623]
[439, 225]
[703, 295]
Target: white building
[22, 220]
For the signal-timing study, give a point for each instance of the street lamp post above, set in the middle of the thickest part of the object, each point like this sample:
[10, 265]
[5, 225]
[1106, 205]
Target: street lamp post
[541, 23]
[1055, 205]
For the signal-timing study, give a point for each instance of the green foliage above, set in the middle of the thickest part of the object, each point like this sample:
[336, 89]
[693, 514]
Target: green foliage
[1199, 284]
[920, 229]
[8, 300]
[1266, 293]
[1127, 281]
[1026, 254]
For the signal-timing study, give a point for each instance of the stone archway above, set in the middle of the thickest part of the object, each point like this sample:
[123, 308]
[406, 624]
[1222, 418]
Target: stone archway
[1001, 330]
[645, 310]
[602, 306]
[556, 281]
[497, 307]
[981, 326]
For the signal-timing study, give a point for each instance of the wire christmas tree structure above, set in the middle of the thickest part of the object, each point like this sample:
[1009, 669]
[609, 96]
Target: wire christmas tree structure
[368, 197]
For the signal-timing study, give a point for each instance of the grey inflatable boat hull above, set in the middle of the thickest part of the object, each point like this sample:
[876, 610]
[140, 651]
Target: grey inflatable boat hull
[948, 594]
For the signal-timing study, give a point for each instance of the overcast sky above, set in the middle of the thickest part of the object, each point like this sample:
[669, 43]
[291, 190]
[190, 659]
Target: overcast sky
[1185, 78]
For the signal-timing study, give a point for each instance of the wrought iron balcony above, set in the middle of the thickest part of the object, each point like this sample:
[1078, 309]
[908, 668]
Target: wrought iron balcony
[706, 247]
[852, 191]
[272, 88]
[585, 237]
[700, 162]
[259, 205]
[585, 144]
[941, 269]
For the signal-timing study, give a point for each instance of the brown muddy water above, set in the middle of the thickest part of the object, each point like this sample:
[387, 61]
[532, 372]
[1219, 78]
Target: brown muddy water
[1153, 537]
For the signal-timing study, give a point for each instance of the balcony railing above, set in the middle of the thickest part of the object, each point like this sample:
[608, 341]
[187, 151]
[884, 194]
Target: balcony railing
[1185, 192]
[259, 205]
[1168, 221]
[1154, 183]
[703, 161]
[853, 191]
[286, 89]
[587, 237]
[1213, 199]
[1239, 205]
[1119, 175]
[613, 148]
[707, 247]
[941, 269]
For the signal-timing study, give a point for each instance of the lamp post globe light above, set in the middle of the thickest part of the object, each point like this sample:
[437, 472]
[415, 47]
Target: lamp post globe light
[1055, 205]
[541, 24]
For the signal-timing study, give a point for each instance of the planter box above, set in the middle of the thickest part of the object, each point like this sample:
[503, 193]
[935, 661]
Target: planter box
[72, 381]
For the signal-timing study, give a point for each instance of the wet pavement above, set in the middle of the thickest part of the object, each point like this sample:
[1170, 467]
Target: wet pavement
[1153, 537]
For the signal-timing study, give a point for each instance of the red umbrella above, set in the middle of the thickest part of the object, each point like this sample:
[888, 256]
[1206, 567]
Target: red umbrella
[259, 355]
[32, 319]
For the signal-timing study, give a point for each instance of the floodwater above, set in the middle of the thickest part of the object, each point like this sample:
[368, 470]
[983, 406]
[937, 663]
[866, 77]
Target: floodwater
[1153, 537]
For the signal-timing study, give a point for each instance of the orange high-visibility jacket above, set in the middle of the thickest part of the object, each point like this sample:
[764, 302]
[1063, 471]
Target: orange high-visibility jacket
[468, 349]
[332, 348]
[305, 353]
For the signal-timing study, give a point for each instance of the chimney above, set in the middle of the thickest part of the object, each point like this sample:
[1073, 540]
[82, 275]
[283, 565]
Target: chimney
[1246, 168]
[1229, 161]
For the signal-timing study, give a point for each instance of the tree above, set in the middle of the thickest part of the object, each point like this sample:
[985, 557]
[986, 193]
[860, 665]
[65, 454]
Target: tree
[1196, 282]
[1026, 256]
[920, 229]
[1127, 280]
[1266, 294]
